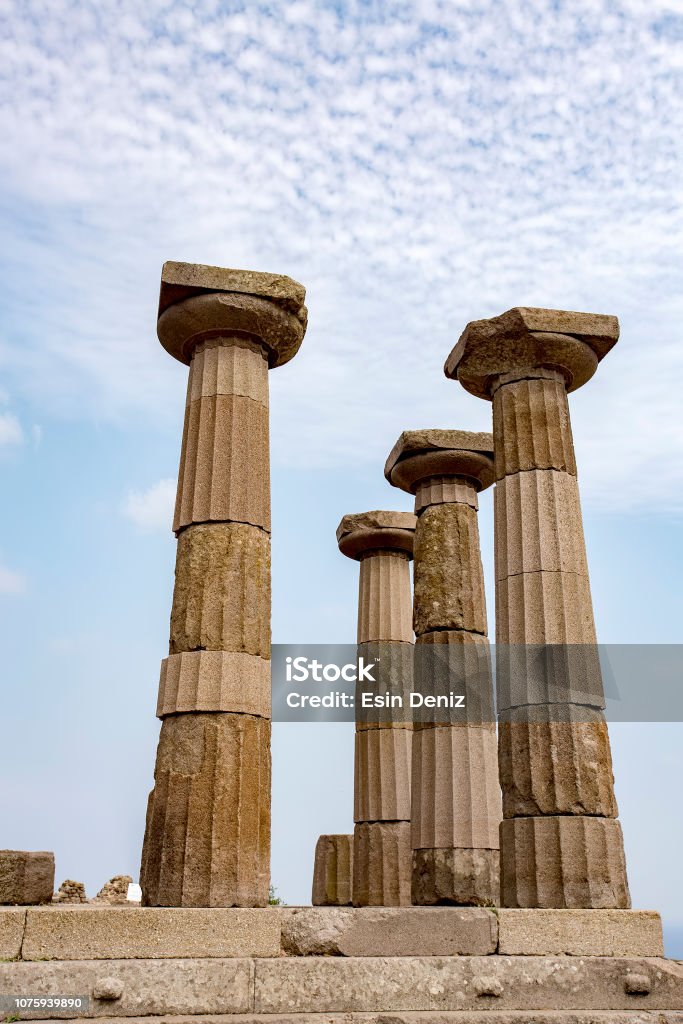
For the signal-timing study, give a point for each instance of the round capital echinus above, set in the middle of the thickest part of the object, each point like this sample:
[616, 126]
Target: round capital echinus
[376, 531]
[215, 314]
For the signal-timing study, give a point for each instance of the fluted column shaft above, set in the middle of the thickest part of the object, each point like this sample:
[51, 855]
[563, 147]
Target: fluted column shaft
[456, 807]
[382, 854]
[561, 843]
[207, 837]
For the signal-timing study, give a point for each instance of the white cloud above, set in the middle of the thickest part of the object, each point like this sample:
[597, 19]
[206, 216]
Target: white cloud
[152, 509]
[10, 430]
[11, 582]
[416, 164]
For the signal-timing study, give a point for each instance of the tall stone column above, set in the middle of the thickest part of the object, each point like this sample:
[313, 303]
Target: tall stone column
[455, 793]
[207, 838]
[383, 543]
[561, 845]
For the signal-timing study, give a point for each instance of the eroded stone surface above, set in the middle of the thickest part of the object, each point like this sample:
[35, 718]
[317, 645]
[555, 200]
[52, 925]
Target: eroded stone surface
[566, 861]
[362, 532]
[421, 454]
[448, 578]
[26, 877]
[333, 871]
[12, 921]
[388, 931]
[207, 840]
[70, 892]
[545, 608]
[239, 368]
[467, 877]
[180, 281]
[553, 766]
[115, 891]
[580, 932]
[531, 427]
[381, 864]
[221, 600]
[215, 681]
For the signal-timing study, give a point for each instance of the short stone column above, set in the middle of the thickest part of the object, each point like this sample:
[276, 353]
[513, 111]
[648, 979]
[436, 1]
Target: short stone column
[456, 807]
[561, 845]
[383, 543]
[207, 838]
[333, 871]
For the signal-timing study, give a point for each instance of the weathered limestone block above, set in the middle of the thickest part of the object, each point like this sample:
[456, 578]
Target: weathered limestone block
[555, 759]
[449, 587]
[382, 775]
[538, 524]
[115, 891]
[563, 861]
[221, 600]
[384, 605]
[456, 799]
[12, 924]
[70, 892]
[580, 932]
[468, 876]
[544, 608]
[421, 455]
[239, 367]
[333, 871]
[215, 765]
[26, 877]
[379, 530]
[215, 681]
[224, 462]
[531, 426]
[381, 864]
[389, 931]
[449, 661]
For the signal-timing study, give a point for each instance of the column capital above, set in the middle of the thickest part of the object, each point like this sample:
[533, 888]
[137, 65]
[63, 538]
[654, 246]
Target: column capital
[198, 302]
[419, 455]
[366, 532]
[527, 340]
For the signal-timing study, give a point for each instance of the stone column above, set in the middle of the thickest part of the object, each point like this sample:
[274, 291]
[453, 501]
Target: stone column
[333, 871]
[561, 845]
[207, 838]
[456, 797]
[383, 543]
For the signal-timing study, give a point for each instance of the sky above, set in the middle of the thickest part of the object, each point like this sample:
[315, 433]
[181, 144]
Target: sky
[415, 165]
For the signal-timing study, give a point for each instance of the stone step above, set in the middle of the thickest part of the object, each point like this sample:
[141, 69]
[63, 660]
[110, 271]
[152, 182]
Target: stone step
[421, 1017]
[346, 985]
[116, 933]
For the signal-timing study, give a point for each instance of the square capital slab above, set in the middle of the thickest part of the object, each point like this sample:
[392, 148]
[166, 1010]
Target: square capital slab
[181, 281]
[528, 339]
[421, 454]
[361, 532]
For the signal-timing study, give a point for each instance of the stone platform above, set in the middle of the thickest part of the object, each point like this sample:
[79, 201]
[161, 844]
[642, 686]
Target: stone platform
[334, 965]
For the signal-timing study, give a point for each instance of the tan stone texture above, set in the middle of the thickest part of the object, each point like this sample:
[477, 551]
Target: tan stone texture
[207, 840]
[421, 454]
[237, 368]
[70, 892]
[12, 922]
[390, 987]
[361, 533]
[388, 931]
[382, 775]
[203, 317]
[26, 877]
[381, 864]
[393, 672]
[524, 339]
[333, 871]
[553, 766]
[224, 463]
[456, 795]
[115, 891]
[544, 608]
[147, 988]
[180, 281]
[448, 576]
[563, 862]
[469, 877]
[439, 490]
[538, 524]
[384, 601]
[221, 599]
[215, 681]
[532, 428]
[454, 661]
[580, 932]
[120, 933]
